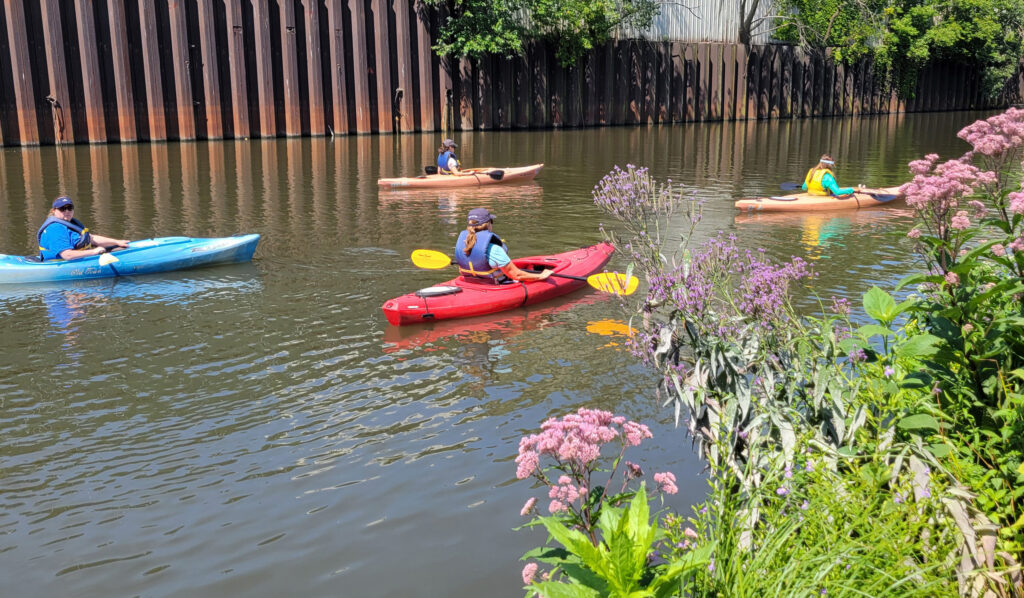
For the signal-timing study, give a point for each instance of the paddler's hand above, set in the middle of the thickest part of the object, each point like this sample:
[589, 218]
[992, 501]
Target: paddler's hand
[544, 275]
[99, 250]
[860, 187]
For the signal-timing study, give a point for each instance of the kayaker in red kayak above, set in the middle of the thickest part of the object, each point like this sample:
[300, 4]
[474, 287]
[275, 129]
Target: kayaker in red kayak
[62, 236]
[482, 254]
[821, 181]
[447, 163]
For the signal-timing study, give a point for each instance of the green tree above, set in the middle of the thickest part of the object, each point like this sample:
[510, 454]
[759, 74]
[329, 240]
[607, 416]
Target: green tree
[903, 35]
[476, 28]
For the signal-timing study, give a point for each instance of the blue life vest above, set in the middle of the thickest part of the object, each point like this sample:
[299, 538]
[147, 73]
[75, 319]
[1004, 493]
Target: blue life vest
[84, 241]
[475, 264]
[442, 161]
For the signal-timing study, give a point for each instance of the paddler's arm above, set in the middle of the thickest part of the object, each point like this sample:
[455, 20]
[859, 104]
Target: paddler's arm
[497, 258]
[70, 254]
[829, 183]
[108, 242]
[513, 272]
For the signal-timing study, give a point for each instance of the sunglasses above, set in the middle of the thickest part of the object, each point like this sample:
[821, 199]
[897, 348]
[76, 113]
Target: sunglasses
[66, 208]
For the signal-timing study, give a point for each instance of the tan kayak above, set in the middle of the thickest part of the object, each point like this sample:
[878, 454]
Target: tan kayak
[805, 202]
[472, 177]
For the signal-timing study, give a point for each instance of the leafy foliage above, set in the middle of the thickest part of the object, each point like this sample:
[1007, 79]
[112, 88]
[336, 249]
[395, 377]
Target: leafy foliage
[823, 534]
[620, 565]
[476, 28]
[928, 394]
[903, 35]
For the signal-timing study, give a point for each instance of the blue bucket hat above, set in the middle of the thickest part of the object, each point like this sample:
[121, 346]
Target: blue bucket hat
[62, 201]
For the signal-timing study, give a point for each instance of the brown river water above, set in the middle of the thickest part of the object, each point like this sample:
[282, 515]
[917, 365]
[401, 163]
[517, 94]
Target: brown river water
[260, 430]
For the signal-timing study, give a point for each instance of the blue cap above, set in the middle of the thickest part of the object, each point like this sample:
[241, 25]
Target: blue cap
[62, 201]
[478, 216]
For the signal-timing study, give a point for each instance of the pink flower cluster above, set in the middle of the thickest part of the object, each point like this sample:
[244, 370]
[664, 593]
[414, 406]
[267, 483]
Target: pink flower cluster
[998, 135]
[576, 438]
[1017, 201]
[564, 493]
[666, 482]
[939, 188]
[529, 571]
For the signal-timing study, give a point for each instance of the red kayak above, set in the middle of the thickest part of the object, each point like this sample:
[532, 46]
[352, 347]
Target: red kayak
[462, 297]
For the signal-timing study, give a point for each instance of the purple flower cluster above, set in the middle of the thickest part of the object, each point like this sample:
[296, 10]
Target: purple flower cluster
[840, 305]
[758, 288]
[633, 196]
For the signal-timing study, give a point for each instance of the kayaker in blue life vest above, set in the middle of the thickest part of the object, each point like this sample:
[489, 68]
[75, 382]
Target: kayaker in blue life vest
[447, 163]
[63, 237]
[821, 181]
[482, 254]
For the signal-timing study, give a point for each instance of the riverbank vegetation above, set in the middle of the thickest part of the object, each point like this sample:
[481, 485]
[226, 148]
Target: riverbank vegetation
[900, 37]
[866, 450]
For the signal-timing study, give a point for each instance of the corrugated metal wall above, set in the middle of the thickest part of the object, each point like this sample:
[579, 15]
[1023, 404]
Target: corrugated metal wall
[97, 71]
[703, 21]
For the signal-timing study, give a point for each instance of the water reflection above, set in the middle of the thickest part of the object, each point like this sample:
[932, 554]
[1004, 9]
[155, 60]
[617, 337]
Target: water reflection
[436, 336]
[452, 205]
[825, 235]
[618, 330]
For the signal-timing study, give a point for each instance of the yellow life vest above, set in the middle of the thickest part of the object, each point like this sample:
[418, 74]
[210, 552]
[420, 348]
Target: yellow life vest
[813, 181]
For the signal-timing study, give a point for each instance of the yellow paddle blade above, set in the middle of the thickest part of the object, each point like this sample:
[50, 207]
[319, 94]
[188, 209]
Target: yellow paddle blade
[108, 258]
[430, 259]
[613, 282]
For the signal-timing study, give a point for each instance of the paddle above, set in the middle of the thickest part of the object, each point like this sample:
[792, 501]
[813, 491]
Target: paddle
[609, 282]
[494, 174]
[878, 196]
[108, 259]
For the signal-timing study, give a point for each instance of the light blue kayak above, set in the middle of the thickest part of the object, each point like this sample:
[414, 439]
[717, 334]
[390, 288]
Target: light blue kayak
[148, 256]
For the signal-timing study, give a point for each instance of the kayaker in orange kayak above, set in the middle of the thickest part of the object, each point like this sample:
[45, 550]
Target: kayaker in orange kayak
[447, 163]
[482, 254]
[821, 181]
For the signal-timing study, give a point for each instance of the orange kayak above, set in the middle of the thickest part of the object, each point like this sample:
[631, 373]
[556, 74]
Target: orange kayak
[805, 202]
[471, 177]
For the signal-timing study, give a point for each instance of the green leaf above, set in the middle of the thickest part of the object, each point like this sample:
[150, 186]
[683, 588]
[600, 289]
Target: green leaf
[880, 305]
[576, 543]
[921, 345]
[939, 450]
[553, 589]
[920, 421]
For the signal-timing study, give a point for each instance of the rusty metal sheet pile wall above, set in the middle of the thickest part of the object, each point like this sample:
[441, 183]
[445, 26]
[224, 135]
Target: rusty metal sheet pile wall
[97, 71]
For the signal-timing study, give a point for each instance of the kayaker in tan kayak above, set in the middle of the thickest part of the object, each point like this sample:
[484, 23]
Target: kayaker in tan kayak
[447, 163]
[482, 254]
[820, 180]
